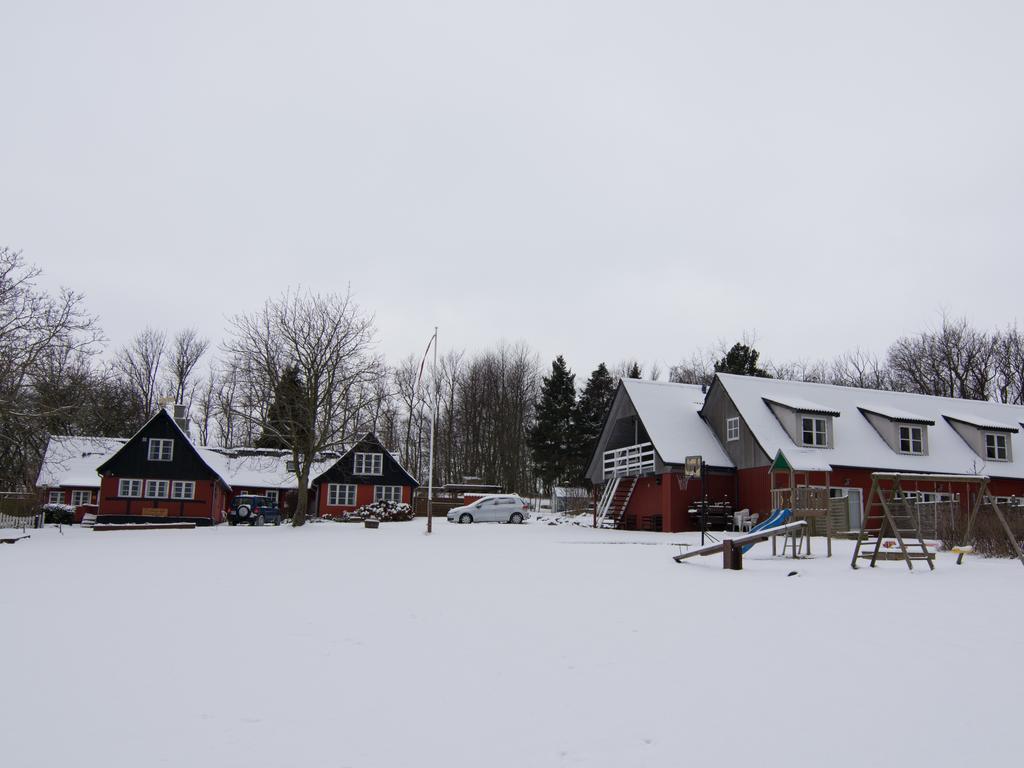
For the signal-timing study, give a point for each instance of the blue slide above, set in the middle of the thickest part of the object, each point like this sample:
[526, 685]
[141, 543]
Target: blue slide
[776, 518]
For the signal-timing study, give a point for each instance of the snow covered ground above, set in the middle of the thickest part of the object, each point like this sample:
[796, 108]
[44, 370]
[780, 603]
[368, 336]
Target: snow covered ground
[487, 645]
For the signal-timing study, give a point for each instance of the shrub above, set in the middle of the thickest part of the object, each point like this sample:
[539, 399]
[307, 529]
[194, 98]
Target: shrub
[385, 511]
[63, 514]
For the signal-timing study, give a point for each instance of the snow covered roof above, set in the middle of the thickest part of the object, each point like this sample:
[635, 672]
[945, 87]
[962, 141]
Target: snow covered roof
[981, 422]
[895, 414]
[245, 468]
[671, 415]
[71, 461]
[856, 443]
[802, 405]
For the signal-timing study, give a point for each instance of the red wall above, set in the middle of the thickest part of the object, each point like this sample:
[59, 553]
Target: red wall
[210, 501]
[364, 495]
[66, 499]
[651, 497]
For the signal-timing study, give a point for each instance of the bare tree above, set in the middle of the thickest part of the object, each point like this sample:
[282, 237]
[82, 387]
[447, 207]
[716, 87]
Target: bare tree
[1009, 366]
[329, 341]
[186, 350]
[41, 335]
[139, 364]
[955, 360]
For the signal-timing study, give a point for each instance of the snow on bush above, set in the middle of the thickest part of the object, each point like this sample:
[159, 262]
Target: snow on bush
[58, 513]
[385, 511]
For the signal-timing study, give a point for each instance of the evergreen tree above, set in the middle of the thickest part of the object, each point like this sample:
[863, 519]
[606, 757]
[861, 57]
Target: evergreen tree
[741, 360]
[591, 410]
[552, 432]
[635, 372]
[284, 412]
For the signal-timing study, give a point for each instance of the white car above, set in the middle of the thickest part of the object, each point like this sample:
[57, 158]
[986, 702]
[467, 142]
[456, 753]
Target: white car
[493, 508]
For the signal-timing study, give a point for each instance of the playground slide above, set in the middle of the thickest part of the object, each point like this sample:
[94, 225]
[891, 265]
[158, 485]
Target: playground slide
[775, 519]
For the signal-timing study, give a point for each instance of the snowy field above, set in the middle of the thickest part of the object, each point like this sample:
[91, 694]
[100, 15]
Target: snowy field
[486, 645]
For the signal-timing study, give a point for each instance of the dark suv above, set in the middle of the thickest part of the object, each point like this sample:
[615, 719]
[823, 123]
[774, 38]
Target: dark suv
[254, 510]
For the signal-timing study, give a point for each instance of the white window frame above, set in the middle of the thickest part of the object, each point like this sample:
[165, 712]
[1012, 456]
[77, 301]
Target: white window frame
[157, 489]
[271, 493]
[160, 444]
[178, 488]
[387, 493]
[910, 439]
[732, 429]
[815, 420]
[133, 485]
[56, 497]
[1000, 444]
[376, 462]
[341, 494]
[76, 497]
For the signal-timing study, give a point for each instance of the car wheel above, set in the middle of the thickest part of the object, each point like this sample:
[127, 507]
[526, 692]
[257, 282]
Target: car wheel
[465, 517]
[258, 520]
[232, 522]
[516, 518]
[242, 511]
[278, 521]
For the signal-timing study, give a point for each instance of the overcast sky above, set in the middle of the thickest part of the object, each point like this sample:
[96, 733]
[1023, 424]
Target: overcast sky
[600, 179]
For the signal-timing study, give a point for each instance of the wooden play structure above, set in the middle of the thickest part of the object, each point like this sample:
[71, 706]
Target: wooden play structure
[893, 512]
[791, 489]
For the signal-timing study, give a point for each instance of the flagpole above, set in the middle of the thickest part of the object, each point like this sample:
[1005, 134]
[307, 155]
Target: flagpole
[430, 470]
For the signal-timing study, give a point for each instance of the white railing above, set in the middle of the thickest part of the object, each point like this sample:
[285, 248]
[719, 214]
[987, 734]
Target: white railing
[606, 498]
[632, 460]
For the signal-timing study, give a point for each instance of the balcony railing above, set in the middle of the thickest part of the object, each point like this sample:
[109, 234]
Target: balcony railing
[629, 461]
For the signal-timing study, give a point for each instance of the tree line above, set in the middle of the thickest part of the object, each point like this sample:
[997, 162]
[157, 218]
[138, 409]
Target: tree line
[302, 374]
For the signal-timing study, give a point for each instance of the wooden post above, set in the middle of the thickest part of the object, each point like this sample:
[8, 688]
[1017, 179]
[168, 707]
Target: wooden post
[732, 556]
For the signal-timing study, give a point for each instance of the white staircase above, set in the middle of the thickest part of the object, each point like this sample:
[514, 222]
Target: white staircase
[614, 500]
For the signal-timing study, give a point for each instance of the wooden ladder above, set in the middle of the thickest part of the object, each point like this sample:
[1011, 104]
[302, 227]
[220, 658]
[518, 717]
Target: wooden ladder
[888, 513]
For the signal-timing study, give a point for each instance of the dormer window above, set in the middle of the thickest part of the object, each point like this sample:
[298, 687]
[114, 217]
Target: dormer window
[815, 431]
[160, 450]
[911, 439]
[997, 446]
[368, 464]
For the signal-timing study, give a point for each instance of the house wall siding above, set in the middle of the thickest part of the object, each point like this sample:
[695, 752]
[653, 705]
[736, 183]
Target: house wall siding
[209, 501]
[745, 452]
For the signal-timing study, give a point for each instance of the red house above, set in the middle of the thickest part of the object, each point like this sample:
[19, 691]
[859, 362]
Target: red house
[367, 472]
[830, 437]
[159, 472]
[68, 472]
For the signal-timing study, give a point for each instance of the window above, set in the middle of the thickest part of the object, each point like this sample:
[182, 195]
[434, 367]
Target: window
[732, 428]
[183, 489]
[289, 466]
[161, 450]
[387, 493]
[911, 439]
[369, 464]
[341, 495]
[156, 489]
[272, 495]
[56, 497]
[129, 488]
[815, 431]
[996, 446]
[81, 497]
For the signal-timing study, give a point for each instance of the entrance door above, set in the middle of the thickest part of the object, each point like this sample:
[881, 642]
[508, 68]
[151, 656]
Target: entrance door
[855, 497]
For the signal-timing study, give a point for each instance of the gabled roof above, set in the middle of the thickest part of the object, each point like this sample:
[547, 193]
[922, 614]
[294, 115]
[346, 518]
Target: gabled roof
[203, 455]
[671, 415]
[71, 461]
[858, 444]
[371, 439]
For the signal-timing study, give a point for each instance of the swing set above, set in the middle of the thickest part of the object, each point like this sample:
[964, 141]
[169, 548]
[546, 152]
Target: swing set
[894, 511]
